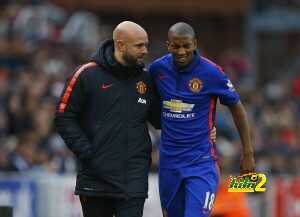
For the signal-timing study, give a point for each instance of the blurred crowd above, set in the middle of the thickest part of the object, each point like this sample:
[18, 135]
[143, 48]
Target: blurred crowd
[42, 44]
[265, 5]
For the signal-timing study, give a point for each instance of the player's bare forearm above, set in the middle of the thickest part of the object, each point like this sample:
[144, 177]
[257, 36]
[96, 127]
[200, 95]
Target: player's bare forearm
[242, 125]
[240, 119]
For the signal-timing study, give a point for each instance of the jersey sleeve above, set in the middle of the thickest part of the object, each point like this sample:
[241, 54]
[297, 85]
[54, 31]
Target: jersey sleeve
[222, 87]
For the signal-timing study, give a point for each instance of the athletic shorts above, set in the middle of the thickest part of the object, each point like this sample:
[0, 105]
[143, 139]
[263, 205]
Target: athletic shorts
[189, 191]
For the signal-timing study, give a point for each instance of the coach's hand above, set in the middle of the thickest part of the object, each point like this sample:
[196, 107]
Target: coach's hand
[247, 164]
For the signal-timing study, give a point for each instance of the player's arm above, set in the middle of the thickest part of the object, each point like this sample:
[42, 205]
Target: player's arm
[240, 119]
[222, 87]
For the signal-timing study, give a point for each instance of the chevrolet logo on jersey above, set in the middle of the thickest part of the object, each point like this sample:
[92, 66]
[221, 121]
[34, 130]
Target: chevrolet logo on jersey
[178, 106]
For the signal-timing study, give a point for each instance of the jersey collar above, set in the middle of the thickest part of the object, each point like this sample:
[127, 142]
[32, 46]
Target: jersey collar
[194, 63]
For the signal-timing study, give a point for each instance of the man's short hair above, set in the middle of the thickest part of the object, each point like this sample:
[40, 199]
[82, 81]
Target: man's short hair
[182, 29]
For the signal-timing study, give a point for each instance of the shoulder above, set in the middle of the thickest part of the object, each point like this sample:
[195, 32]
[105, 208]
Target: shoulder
[212, 68]
[144, 74]
[84, 70]
[159, 63]
[84, 75]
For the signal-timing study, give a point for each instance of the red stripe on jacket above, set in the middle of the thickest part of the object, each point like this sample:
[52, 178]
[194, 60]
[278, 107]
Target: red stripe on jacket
[68, 91]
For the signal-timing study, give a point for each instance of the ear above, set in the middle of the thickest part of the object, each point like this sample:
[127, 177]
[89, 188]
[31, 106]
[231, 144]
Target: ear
[195, 44]
[168, 45]
[120, 45]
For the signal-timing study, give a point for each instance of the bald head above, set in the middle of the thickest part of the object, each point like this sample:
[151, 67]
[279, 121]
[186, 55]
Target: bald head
[127, 30]
[130, 42]
[181, 29]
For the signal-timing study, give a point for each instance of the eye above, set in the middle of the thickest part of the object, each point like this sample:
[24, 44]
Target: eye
[175, 46]
[187, 46]
[141, 45]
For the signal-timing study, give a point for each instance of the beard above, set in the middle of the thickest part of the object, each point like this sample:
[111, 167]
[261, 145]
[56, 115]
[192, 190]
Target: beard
[131, 61]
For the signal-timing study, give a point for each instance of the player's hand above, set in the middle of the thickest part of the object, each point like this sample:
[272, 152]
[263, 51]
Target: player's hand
[213, 134]
[247, 164]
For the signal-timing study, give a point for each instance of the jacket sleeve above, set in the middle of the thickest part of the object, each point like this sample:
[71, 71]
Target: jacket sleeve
[67, 116]
[155, 108]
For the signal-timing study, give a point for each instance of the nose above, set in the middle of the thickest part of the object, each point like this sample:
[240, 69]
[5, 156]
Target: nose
[144, 50]
[181, 51]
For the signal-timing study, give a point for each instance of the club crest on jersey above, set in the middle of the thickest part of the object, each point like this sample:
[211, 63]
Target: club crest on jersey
[195, 85]
[141, 87]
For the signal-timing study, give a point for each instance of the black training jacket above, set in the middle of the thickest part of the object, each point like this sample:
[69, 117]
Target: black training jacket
[102, 118]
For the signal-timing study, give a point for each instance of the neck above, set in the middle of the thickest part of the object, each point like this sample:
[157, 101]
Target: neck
[186, 65]
[119, 58]
[183, 66]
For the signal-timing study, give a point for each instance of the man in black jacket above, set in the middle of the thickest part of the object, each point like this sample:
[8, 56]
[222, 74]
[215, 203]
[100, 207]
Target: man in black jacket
[102, 118]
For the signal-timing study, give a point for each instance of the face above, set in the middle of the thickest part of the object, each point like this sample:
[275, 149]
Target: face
[135, 49]
[182, 49]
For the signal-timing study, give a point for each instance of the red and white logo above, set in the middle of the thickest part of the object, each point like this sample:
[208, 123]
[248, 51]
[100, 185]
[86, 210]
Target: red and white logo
[106, 86]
